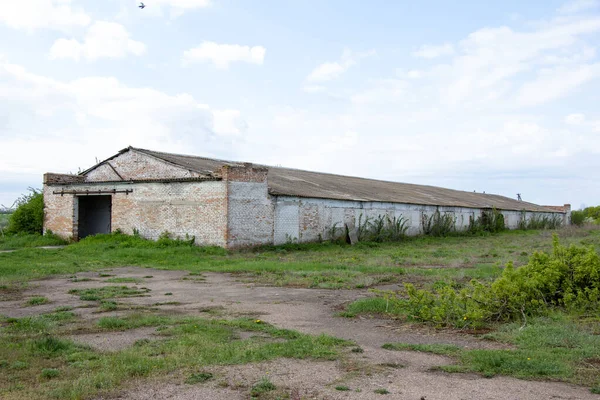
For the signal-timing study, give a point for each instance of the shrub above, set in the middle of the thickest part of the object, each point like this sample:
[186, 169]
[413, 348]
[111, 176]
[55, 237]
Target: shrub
[29, 214]
[578, 218]
[543, 222]
[382, 229]
[569, 277]
[438, 224]
[491, 221]
[592, 213]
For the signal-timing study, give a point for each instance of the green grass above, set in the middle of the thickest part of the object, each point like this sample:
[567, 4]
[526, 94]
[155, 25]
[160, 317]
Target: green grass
[556, 347]
[49, 373]
[132, 321]
[342, 388]
[262, 387]
[20, 241]
[381, 391]
[199, 378]
[38, 300]
[108, 292]
[319, 265]
[184, 344]
[372, 305]
[107, 305]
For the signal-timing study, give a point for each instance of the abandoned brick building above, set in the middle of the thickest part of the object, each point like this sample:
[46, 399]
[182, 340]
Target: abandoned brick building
[233, 204]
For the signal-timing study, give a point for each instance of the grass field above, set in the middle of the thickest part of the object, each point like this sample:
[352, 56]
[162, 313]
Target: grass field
[37, 359]
[322, 265]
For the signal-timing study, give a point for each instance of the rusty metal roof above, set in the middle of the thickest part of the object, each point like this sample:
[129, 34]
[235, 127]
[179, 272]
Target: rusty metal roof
[294, 182]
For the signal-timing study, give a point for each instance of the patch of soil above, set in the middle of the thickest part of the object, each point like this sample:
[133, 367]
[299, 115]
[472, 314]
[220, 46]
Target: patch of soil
[302, 379]
[114, 341]
[11, 293]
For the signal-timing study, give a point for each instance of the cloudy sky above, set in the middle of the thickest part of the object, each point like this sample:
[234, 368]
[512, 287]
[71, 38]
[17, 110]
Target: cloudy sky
[502, 96]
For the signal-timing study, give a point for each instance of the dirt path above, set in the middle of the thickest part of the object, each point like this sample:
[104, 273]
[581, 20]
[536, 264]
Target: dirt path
[406, 375]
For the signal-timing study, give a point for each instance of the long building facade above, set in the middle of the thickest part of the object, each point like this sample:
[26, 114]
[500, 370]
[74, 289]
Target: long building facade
[232, 204]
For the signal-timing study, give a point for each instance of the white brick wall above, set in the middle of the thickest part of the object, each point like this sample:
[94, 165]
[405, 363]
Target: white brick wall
[250, 214]
[194, 208]
[132, 165]
[304, 219]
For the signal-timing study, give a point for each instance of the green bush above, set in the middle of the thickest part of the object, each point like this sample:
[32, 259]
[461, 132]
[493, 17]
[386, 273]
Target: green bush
[29, 214]
[540, 221]
[382, 229]
[578, 218]
[567, 278]
[438, 224]
[491, 221]
[592, 213]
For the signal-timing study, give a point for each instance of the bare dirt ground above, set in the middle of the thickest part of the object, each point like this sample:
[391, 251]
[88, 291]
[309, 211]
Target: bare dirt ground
[406, 375]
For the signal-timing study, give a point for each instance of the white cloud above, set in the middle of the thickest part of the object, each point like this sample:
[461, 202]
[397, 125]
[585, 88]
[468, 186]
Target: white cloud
[183, 4]
[577, 6]
[30, 15]
[102, 40]
[175, 7]
[58, 122]
[479, 76]
[428, 51]
[381, 90]
[575, 119]
[228, 122]
[222, 55]
[332, 70]
[555, 83]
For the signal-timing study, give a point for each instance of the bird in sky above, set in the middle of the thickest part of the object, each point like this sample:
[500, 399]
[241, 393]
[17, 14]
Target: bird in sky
[142, 6]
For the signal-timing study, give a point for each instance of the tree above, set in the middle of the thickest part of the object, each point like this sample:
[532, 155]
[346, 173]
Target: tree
[29, 214]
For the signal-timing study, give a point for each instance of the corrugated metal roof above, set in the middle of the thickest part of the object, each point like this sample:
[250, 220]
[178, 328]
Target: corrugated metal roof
[294, 182]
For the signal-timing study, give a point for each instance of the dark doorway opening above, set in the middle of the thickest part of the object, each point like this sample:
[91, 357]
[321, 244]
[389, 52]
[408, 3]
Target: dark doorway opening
[94, 215]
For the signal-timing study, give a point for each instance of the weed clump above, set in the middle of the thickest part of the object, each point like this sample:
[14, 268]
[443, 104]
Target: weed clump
[49, 373]
[38, 300]
[438, 224]
[262, 387]
[199, 378]
[568, 278]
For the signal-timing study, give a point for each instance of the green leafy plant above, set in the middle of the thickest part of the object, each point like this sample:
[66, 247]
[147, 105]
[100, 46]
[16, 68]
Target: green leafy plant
[382, 228]
[28, 217]
[578, 217]
[438, 224]
[569, 278]
[381, 391]
[264, 386]
[38, 300]
[491, 221]
[200, 377]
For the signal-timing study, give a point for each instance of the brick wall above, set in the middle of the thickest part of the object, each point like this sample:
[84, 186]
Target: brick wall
[58, 212]
[305, 219]
[195, 208]
[132, 165]
[250, 209]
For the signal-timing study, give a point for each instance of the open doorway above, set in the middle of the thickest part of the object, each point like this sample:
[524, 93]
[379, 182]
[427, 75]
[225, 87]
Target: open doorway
[94, 215]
